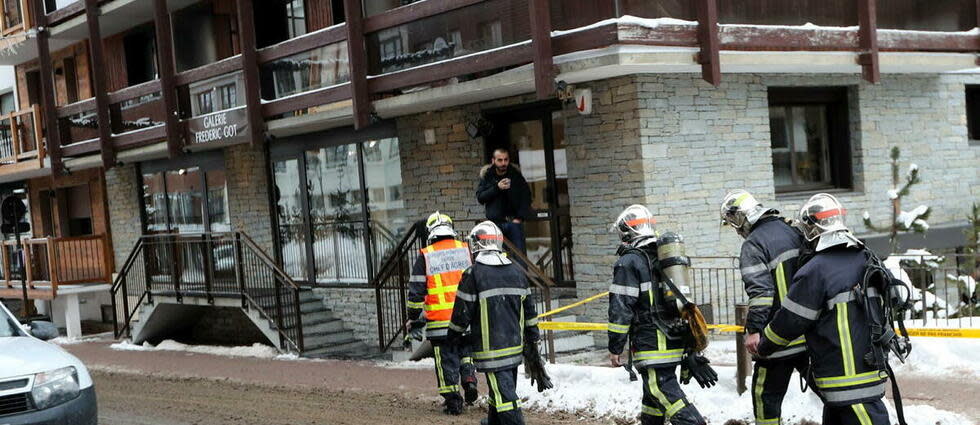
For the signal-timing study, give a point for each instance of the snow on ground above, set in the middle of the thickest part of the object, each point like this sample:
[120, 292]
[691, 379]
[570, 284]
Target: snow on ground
[604, 392]
[255, 350]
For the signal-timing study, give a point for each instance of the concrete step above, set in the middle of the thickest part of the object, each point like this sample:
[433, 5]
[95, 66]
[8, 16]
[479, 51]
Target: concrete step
[350, 347]
[327, 338]
[312, 306]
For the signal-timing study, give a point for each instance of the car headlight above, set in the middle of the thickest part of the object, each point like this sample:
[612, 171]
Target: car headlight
[55, 387]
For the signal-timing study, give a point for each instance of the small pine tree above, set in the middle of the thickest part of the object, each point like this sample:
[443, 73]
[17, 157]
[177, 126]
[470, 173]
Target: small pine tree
[902, 221]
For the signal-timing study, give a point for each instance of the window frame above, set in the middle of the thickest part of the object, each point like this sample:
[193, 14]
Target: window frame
[839, 146]
[971, 102]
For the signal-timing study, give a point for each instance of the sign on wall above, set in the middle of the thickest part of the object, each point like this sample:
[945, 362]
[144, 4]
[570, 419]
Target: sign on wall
[225, 127]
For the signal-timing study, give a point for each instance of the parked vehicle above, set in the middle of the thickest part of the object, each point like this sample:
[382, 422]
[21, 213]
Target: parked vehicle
[40, 383]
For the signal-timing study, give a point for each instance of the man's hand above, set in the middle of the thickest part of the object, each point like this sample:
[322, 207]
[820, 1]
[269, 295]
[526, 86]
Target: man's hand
[516, 221]
[408, 326]
[503, 184]
[752, 343]
[614, 360]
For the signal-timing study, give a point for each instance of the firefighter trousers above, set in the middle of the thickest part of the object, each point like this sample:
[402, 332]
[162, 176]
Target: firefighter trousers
[769, 383]
[663, 399]
[454, 365]
[867, 413]
[504, 404]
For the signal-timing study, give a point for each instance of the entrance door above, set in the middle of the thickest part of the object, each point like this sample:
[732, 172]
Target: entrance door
[536, 140]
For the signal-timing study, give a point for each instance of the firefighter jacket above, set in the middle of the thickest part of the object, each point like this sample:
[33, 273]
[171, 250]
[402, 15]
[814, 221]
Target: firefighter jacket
[432, 286]
[640, 307]
[768, 262]
[495, 304]
[823, 305]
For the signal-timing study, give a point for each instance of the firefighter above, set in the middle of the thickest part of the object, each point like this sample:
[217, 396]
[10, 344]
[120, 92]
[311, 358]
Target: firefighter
[644, 310]
[494, 302]
[824, 305]
[432, 289]
[768, 262]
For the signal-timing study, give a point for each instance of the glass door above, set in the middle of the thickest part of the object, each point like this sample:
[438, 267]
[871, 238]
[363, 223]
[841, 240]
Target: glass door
[536, 140]
[339, 209]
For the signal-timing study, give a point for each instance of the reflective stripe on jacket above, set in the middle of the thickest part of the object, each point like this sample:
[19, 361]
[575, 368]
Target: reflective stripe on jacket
[495, 304]
[823, 306]
[432, 286]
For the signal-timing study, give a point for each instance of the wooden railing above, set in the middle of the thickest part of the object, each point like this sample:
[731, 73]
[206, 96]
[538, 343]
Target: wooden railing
[45, 263]
[21, 138]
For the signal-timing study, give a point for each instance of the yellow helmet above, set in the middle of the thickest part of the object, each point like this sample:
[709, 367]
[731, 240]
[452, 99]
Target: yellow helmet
[439, 224]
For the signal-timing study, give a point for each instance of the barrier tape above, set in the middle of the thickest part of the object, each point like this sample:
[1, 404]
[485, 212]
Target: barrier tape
[923, 332]
[573, 305]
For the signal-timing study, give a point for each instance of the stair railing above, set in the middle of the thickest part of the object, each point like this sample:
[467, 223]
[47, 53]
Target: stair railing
[208, 265]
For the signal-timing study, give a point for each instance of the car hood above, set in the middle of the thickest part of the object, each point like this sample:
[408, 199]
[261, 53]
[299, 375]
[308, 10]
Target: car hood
[24, 355]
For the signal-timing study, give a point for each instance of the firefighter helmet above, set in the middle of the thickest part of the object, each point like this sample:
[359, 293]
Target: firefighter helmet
[635, 222]
[741, 210]
[821, 215]
[486, 236]
[439, 224]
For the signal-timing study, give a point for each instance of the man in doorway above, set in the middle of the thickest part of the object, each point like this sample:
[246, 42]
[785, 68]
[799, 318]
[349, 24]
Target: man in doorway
[506, 196]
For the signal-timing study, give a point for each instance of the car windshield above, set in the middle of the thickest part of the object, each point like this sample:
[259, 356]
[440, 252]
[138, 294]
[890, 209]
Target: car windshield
[8, 326]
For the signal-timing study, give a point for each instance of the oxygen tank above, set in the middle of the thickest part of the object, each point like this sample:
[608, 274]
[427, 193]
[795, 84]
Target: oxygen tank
[675, 264]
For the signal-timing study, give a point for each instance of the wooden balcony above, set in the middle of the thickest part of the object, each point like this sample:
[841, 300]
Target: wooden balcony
[380, 54]
[47, 263]
[21, 141]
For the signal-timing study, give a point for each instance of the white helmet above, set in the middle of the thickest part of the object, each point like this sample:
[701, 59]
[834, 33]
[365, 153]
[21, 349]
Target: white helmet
[741, 210]
[486, 236]
[823, 217]
[438, 225]
[635, 222]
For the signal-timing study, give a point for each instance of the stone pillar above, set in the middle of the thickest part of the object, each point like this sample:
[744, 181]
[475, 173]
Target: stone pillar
[248, 194]
[124, 204]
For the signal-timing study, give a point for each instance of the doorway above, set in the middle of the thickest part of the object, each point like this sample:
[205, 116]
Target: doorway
[535, 136]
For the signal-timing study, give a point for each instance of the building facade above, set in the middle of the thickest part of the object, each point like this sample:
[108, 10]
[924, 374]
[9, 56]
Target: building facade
[322, 130]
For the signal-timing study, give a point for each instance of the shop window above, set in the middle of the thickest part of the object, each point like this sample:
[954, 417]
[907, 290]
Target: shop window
[228, 95]
[809, 138]
[973, 113]
[205, 102]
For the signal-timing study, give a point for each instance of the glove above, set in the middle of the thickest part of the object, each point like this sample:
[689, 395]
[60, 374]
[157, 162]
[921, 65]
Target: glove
[698, 367]
[535, 367]
[416, 329]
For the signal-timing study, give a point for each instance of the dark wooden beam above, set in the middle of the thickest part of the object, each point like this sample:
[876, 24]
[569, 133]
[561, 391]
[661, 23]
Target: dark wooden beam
[708, 39]
[99, 85]
[306, 100]
[250, 72]
[413, 12]
[166, 70]
[357, 59]
[544, 63]
[976, 9]
[868, 40]
[132, 92]
[214, 69]
[303, 43]
[52, 129]
[518, 54]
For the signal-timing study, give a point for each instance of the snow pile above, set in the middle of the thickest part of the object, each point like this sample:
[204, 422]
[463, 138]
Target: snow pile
[969, 284]
[947, 358]
[255, 350]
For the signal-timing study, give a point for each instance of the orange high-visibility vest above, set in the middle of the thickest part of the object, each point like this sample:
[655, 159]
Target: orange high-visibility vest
[445, 261]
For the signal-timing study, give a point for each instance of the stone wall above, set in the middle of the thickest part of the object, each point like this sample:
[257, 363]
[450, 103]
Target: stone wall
[124, 210]
[357, 308]
[248, 194]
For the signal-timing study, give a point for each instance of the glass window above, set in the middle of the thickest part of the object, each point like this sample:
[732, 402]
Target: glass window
[296, 18]
[337, 225]
[154, 203]
[292, 225]
[973, 114]
[809, 139]
[228, 95]
[205, 102]
[321, 67]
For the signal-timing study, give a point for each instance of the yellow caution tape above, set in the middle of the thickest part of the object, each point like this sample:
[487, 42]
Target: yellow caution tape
[945, 333]
[573, 305]
[571, 326]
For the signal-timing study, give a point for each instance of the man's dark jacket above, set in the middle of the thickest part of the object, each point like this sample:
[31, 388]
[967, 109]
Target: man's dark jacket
[504, 204]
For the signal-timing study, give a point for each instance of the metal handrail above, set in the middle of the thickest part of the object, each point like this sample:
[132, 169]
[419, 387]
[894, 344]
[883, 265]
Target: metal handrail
[135, 279]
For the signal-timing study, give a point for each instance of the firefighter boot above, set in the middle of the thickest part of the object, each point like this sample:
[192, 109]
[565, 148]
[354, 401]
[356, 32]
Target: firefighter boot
[454, 405]
[470, 389]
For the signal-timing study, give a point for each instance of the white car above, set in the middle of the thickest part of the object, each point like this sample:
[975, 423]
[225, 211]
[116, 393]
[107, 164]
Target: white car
[40, 383]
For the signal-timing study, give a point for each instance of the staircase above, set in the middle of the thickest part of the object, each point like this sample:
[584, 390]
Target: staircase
[167, 277]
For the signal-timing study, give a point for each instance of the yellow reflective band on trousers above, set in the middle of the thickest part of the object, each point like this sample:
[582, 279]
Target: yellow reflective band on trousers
[419, 305]
[849, 380]
[498, 404]
[443, 388]
[760, 385]
[652, 411]
[844, 333]
[862, 413]
[654, 388]
[659, 354]
[778, 340]
[484, 325]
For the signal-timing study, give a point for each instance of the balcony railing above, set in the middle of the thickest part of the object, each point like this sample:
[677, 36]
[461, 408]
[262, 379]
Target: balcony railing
[45, 263]
[21, 138]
